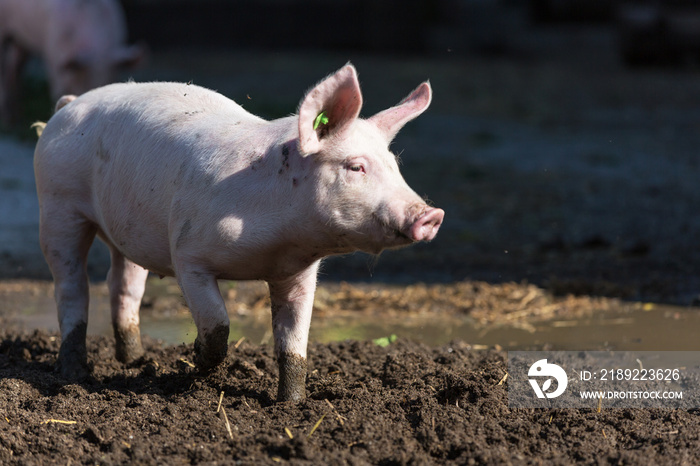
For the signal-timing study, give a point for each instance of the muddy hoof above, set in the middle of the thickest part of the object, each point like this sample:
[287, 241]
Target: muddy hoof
[128, 347]
[211, 351]
[72, 365]
[292, 383]
[76, 373]
[129, 354]
[72, 356]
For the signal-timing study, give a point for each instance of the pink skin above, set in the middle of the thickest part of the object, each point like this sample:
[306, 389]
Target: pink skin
[426, 227]
[181, 181]
[81, 43]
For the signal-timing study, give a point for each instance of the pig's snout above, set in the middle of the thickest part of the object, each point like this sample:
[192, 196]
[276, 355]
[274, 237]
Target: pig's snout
[427, 225]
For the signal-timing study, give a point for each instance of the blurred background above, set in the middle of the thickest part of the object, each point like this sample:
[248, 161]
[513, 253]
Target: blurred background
[562, 141]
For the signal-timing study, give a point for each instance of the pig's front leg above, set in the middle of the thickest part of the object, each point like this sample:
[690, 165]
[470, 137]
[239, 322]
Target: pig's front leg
[127, 283]
[203, 297]
[292, 304]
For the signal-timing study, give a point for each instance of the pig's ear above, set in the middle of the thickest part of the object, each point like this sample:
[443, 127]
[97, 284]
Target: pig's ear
[391, 120]
[329, 109]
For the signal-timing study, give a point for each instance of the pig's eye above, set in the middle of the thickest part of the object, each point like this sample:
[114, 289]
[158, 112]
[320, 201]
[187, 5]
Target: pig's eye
[356, 167]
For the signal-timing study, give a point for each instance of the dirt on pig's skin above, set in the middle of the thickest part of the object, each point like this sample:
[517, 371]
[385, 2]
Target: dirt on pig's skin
[405, 403]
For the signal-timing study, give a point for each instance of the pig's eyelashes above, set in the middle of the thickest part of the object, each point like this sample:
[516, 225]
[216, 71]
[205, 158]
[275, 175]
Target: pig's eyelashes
[356, 167]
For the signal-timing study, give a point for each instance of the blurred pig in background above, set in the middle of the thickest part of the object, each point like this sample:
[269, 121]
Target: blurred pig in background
[81, 42]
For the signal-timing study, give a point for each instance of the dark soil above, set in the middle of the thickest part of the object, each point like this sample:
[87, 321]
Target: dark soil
[401, 404]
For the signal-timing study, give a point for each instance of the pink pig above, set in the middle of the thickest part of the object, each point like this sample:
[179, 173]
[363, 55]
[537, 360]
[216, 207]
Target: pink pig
[81, 43]
[182, 181]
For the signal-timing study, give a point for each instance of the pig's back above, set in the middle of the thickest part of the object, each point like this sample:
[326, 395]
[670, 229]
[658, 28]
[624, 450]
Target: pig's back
[128, 131]
[158, 105]
[140, 126]
[123, 154]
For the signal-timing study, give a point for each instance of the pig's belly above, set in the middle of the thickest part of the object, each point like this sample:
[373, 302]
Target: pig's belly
[138, 234]
[149, 250]
[141, 233]
[148, 245]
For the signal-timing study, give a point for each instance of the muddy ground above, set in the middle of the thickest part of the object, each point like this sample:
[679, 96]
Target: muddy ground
[405, 403]
[401, 404]
[568, 182]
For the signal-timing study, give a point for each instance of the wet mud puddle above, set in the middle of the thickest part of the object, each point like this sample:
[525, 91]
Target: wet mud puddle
[624, 326]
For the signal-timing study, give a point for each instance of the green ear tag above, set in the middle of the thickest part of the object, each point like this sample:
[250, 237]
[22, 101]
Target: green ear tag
[321, 119]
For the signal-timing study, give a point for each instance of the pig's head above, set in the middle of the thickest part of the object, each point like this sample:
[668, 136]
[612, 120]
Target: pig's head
[365, 201]
[87, 46]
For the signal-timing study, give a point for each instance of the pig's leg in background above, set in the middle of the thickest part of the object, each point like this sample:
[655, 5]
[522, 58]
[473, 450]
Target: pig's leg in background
[127, 282]
[203, 297]
[12, 60]
[65, 240]
[292, 304]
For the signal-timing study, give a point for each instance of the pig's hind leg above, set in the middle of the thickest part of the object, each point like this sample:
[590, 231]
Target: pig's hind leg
[65, 238]
[127, 283]
[201, 291]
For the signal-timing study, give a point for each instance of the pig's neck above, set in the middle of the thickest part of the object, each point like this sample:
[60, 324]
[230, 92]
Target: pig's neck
[300, 218]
